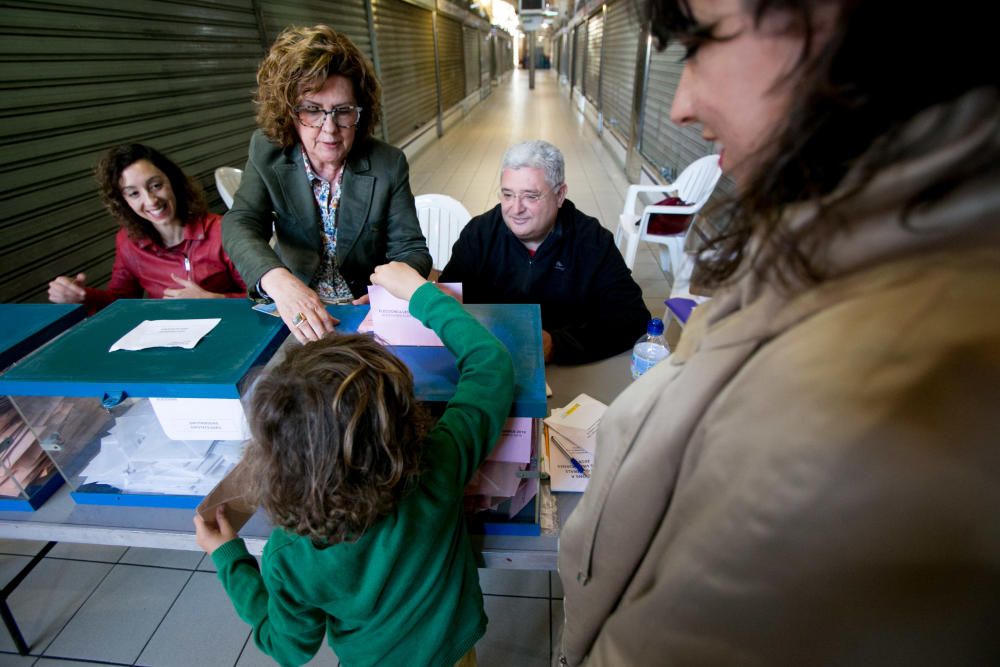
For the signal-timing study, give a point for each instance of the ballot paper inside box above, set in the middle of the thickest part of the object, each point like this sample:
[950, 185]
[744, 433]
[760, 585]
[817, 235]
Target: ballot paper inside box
[155, 427]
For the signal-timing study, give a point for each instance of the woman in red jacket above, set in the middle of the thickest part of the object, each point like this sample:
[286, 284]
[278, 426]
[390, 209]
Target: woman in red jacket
[169, 245]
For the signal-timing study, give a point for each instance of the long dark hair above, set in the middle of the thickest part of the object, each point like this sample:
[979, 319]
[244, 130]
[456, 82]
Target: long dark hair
[191, 202]
[337, 438]
[852, 100]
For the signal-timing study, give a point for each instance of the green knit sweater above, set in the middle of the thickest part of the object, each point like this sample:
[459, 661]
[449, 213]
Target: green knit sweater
[407, 592]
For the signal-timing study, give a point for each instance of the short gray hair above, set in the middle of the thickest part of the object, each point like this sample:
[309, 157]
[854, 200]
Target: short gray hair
[537, 155]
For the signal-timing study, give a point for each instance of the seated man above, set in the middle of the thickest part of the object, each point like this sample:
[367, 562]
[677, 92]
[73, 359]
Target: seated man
[536, 247]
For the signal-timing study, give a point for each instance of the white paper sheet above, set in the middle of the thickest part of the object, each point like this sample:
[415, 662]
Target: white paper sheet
[201, 418]
[166, 333]
[392, 322]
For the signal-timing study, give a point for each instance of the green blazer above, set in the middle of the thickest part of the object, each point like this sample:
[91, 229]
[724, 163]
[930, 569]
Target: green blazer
[376, 222]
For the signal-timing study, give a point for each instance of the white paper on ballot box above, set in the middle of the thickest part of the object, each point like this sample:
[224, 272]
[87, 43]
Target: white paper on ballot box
[201, 418]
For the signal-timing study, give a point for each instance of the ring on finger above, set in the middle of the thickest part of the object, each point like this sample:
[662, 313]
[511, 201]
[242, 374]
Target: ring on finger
[298, 320]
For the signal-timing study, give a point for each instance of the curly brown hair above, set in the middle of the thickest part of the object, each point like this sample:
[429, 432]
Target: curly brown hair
[191, 202]
[299, 62]
[337, 438]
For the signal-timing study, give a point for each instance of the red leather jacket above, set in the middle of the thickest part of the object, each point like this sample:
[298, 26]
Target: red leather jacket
[144, 268]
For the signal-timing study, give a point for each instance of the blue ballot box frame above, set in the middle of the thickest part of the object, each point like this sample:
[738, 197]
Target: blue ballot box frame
[79, 366]
[28, 326]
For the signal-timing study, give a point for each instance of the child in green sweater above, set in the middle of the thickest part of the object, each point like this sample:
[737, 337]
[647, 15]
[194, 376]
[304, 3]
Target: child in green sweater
[369, 547]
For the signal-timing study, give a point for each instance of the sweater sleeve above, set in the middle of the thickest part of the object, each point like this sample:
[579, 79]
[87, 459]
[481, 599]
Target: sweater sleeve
[289, 632]
[617, 313]
[474, 416]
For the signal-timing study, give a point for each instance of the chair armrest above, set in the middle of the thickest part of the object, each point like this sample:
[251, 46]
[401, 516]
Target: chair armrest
[633, 193]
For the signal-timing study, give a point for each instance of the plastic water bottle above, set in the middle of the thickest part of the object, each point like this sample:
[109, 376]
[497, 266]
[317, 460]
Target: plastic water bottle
[649, 350]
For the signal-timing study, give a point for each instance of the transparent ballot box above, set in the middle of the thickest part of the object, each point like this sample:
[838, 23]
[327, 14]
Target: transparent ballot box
[27, 476]
[155, 427]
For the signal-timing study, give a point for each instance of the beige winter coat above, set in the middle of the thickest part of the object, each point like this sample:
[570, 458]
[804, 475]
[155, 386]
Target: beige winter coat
[814, 478]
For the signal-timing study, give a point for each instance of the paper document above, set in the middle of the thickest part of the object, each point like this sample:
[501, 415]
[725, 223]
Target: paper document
[166, 333]
[514, 443]
[578, 421]
[392, 322]
[201, 418]
[230, 490]
[576, 428]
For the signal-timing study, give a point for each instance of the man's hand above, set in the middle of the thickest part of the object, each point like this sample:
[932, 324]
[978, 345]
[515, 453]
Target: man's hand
[401, 279]
[546, 346]
[211, 536]
[302, 310]
[188, 289]
[68, 290]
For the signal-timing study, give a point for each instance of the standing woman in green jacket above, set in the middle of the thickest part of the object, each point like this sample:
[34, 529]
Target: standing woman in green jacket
[337, 200]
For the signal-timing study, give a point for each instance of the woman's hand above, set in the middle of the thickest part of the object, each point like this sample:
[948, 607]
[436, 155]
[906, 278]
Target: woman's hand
[302, 310]
[188, 289]
[401, 279]
[211, 536]
[68, 290]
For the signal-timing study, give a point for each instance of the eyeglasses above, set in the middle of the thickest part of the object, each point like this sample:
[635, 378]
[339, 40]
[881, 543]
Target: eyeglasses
[529, 198]
[345, 117]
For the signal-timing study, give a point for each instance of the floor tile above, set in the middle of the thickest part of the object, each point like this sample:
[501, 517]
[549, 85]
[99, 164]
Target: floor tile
[252, 657]
[184, 560]
[91, 552]
[523, 583]
[517, 634]
[201, 628]
[557, 588]
[556, 607]
[48, 597]
[55, 662]
[122, 614]
[206, 564]
[22, 547]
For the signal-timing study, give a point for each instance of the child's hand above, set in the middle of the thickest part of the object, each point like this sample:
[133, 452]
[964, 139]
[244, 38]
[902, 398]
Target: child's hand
[401, 279]
[212, 536]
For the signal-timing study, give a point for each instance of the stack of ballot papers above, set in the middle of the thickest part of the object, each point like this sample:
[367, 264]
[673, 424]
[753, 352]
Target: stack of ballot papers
[136, 456]
[575, 429]
[498, 479]
[22, 459]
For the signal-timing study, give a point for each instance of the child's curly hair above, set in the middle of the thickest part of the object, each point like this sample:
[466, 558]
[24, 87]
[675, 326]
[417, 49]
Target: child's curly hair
[337, 438]
[299, 62]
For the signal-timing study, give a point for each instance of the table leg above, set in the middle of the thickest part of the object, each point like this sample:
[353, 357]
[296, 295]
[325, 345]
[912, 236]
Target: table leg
[5, 613]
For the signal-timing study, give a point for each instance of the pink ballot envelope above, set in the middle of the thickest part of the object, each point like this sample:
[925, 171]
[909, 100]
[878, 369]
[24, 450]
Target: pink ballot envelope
[392, 322]
[229, 491]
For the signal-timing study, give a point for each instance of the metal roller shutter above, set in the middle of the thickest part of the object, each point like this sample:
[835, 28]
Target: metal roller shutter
[409, 86]
[485, 49]
[592, 65]
[564, 59]
[579, 53]
[470, 42]
[347, 16]
[621, 42]
[451, 58]
[78, 78]
[667, 146]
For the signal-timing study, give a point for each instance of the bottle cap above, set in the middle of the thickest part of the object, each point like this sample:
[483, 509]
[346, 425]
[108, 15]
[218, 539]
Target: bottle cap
[655, 327]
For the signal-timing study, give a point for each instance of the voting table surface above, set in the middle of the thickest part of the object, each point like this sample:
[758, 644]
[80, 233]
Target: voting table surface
[60, 519]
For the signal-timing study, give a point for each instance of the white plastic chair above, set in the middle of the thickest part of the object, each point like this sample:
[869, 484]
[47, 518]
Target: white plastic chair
[694, 185]
[227, 181]
[441, 221]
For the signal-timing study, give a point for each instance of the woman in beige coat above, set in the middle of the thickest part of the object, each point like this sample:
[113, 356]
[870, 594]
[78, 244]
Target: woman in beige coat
[813, 477]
